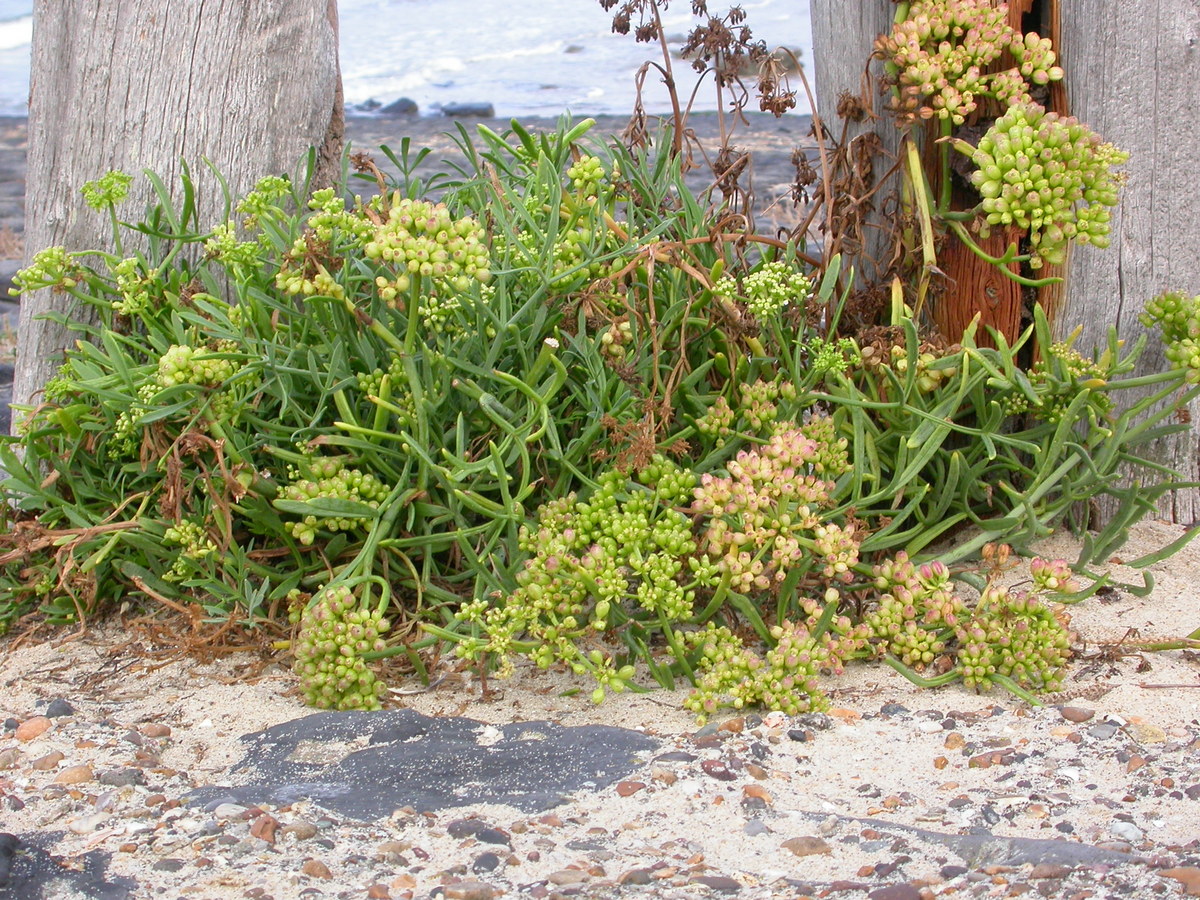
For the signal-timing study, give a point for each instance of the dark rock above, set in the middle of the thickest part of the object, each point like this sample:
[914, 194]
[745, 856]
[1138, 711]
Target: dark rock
[815, 721]
[8, 846]
[428, 763]
[58, 707]
[720, 883]
[469, 110]
[798, 734]
[368, 105]
[949, 872]
[34, 872]
[893, 709]
[1192, 791]
[170, 864]
[636, 876]
[478, 829]
[485, 862]
[401, 107]
[10, 724]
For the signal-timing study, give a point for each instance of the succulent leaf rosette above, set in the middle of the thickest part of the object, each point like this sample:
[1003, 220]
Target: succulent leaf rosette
[942, 51]
[1048, 174]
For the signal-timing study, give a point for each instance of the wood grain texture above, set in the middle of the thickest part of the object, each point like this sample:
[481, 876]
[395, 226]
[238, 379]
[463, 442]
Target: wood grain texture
[843, 38]
[1133, 75]
[248, 85]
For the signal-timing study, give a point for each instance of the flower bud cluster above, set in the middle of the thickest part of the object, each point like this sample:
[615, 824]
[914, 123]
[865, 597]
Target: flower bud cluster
[614, 338]
[194, 543]
[625, 554]
[330, 221]
[578, 255]
[586, 175]
[1052, 576]
[1013, 634]
[334, 634]
[203, 366]
[730, 675]
[916, 612]
[768, 290]
[53, 267]
[1178, 317]
[138, 291]
[264, 199]
[827, 355]
[223, 245]
[323, 478]
[929, 378]
[1049, 175]
[1057, 379]
[110, 189]
[718, 421]
[422, 240]
[764, 517]
[944, 48]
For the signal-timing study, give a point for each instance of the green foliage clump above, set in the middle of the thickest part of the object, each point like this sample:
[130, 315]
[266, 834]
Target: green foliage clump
[555, 414]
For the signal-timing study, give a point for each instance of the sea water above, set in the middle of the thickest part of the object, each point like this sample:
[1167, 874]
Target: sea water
[524, 57]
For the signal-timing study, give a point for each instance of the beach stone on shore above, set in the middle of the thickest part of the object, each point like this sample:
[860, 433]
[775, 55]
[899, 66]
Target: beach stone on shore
[469, 110]
[401, 107]
[366, 765]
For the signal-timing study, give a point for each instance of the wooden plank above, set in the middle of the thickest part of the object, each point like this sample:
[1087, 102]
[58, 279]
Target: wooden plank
[1133, 75]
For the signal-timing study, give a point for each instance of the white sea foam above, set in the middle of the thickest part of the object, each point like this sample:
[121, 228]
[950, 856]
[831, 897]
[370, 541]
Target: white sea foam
[16, 33]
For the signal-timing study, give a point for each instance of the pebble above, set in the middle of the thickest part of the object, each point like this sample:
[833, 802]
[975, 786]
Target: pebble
[300, 830]
[807, 846]
[1103, 731]
[485, 862]
[9, 757]
[1126, 831]
[58, 707]
[1076, 713]
[469, 890]
[74, 775]
[1049, 870]
[87, 824]
[32, 728]
[1188, 876]
[314, 868]
[155, 730]
[122, 777]
[635, 876]
[629, 788]
[720, 883]
[715, 768]
[568, 876]
[896, 892]
[47, 762]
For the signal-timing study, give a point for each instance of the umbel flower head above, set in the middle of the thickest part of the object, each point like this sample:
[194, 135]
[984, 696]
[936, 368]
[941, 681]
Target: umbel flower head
[1048, 174]
[942, 52]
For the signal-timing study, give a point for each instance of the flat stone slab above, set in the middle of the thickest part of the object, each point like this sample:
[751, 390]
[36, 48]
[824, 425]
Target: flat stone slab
[366, 765]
